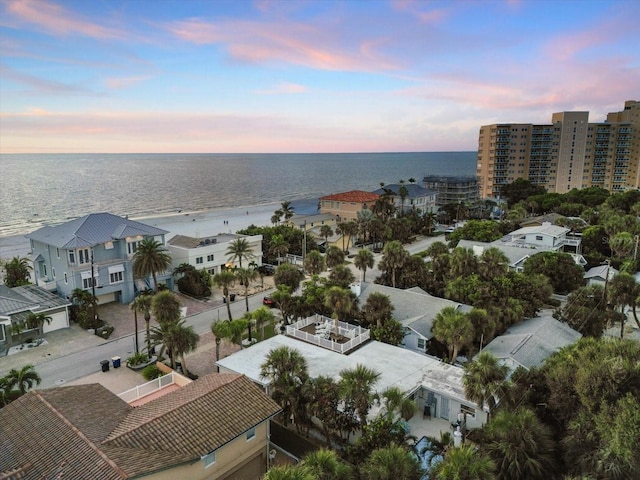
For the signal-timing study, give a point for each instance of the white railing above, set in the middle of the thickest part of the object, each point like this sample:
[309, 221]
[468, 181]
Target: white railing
[148, 388]
[357, 335]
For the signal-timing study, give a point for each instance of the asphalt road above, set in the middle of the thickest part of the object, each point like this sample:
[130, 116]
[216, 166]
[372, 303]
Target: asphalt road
[62, 370]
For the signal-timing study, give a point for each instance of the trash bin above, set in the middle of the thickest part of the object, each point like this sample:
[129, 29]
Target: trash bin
[105, 365]
[116, 362]
[232, 297]
[179, 367]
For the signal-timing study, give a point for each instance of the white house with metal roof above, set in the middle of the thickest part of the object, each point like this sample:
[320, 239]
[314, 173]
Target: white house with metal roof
[92, 253]
[424, 379]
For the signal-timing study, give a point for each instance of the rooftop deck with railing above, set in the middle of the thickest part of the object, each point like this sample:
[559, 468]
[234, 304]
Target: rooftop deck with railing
[327, 333]
[141, 394]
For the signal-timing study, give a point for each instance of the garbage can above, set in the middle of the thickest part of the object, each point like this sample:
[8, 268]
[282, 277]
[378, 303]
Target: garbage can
[232, 297]
[105, 365]
[116, 362]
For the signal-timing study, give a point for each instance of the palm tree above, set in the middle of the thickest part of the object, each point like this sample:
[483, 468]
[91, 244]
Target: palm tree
[288, 472]
[403, 192]
[334, 256]
[394, 258]
[237, 328]
[166, 307]
[341, 276]
[463, 463]
[356, 385]
[246, 276]
[397, 404]
[453, 329]
[324, 464]
[377, 309]
[314, 263]
[624, 291]
[287, 210]
[221, 331]
[391, 463]
[430, 220]
[325, 232]
[364, 220]
[183, 340]
[363, 260]
[287, 370]
[240, 249]
[262, 316]
[16, 272]
[142, 304]
[340, 302]
[150, 259]
[24, 379]
[484, 380]
[225, 280]
[279, 247]
[521, 446]
[37, 320]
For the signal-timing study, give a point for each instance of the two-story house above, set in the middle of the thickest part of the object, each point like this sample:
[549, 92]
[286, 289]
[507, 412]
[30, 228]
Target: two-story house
[92, 253]
[210, 253]
[410, 196]
[346, 205]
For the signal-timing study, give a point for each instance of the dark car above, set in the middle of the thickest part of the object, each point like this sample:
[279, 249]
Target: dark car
[268, 301]
[267, 269]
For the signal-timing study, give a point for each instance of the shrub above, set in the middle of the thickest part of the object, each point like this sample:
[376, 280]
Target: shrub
[150, 372]
[137, 359]
[104, 331]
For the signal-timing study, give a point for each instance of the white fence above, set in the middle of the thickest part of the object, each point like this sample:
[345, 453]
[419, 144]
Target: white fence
[145, 389]
[356, 334]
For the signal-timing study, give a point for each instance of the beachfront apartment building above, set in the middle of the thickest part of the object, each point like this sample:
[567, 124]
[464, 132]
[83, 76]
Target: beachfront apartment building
[93, 253]
[410, 196]
[216, 427]
[346, 205]
[210, 253]
[568, 153]
[453, 189]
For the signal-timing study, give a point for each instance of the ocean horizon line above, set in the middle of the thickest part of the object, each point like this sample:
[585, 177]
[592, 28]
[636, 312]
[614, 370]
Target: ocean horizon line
[410, 152]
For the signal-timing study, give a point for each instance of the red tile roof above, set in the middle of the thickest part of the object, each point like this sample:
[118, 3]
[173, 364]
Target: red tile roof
[357, 196]
[87, 432]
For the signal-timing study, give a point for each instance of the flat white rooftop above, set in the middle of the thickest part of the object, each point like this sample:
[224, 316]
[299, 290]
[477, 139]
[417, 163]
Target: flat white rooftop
[397, 366]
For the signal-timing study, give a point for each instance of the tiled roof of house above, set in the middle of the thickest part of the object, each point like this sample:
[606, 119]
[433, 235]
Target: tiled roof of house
[87, 432]
[357, 196]
[93, 229]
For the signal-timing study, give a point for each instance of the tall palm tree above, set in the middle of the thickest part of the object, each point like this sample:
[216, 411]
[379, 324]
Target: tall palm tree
[394, 258]
[150, 259]
[287, 370]
[364, 219]
[16, 272]
[356, 385]
[521, 446]
[340, 302]
[334, 256]
[263, 316]
[142, 304]
[246, 276]
[342, 276]
[403, 193]
[454, 329]
[222, 332]
[363, 260]
[279, 247]
[430, 220]
[37, 320]
[225, 280]
[325, 232]
[397, 404]
[485, 380]
[166, 307]
[24, 379]
[240, 249]
[183, 340]
[287, 210]
[314, 263]
[464, 463]
[391, 463]
[288, 472]
[377, 309]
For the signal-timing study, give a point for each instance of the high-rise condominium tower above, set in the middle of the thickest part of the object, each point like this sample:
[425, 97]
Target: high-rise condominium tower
[568, 153]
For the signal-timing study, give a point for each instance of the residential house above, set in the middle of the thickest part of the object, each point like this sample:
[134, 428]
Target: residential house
[415, 197]
[600, 275]
[210, 253]
[216, 427]
[435, 386]
[312, 224]
[529, 343]
[93, 253]
[414, 308]
[346, 205]
[16, 304]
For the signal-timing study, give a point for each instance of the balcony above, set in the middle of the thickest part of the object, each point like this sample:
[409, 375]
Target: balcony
[46, 283]
[327, 333]
[146, 392]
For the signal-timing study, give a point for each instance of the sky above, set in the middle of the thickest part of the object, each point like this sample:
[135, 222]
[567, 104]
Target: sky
[297, 76]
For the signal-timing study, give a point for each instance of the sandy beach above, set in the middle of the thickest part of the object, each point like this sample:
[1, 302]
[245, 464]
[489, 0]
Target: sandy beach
[194, 224]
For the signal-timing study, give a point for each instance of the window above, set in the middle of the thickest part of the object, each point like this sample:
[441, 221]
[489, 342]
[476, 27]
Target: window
[53, 272]
[132, 247]
[468, 410]
[199, 260]
[44, 269]
[115, 277]
[84, 256]
[422, 344]
[66, 279]
[251, 433]
[87, 283]
[72, 257]
[209, 258]
[539, 238]
[209, 459]
[58, 252]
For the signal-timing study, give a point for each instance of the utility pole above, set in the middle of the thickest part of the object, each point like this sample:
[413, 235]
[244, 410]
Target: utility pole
[93, 290]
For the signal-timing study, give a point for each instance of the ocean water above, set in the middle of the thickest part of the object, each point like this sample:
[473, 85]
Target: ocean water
[48, 189]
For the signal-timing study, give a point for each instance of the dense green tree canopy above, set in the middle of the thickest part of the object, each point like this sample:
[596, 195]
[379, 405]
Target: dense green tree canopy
[560, 268]
[519, 189]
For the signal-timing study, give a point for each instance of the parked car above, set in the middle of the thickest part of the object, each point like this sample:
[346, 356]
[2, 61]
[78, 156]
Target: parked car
[267, 269]
[268, 301]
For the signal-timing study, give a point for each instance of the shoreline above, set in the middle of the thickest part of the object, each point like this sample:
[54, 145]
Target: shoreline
[203, 223]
